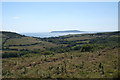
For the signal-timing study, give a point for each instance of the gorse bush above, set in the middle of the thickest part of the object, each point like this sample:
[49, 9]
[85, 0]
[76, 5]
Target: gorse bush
[8, 55]
[91, 47]
[47, 52]
[87, 48]
[77, 47]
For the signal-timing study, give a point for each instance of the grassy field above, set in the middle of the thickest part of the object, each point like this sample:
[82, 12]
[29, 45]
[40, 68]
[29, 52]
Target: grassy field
[70, 56]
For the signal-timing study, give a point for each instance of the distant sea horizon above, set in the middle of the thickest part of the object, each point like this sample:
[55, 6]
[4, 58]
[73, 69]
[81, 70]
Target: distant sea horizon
[49, 34]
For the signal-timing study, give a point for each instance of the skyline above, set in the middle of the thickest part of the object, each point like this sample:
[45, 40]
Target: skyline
[51, 16]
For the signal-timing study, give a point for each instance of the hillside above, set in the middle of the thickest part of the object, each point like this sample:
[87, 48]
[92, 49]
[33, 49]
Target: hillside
[67, 65]
[14, 44]
[70, 56]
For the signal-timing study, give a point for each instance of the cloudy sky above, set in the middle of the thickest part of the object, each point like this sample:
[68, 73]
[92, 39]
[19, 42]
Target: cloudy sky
[50, 16]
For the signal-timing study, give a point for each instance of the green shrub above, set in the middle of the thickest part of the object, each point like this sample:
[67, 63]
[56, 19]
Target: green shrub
[47, 52]
[87, 48]
[77, 47]
[7, 55]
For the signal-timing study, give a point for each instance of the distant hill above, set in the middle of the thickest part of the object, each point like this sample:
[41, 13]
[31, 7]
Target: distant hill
[67, 31]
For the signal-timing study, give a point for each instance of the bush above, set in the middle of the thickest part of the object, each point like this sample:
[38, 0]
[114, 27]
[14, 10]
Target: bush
[77, 47]
[7, 55]
[87, 48]
[47, 52]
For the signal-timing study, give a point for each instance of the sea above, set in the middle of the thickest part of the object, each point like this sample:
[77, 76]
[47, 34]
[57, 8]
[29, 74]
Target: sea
[49, 34]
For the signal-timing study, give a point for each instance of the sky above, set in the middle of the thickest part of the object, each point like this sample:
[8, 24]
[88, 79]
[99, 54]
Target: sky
[50, 16]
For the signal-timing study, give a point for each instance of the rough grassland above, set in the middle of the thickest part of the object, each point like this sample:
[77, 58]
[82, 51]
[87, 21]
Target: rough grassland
[71, 56]
[66, 65]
